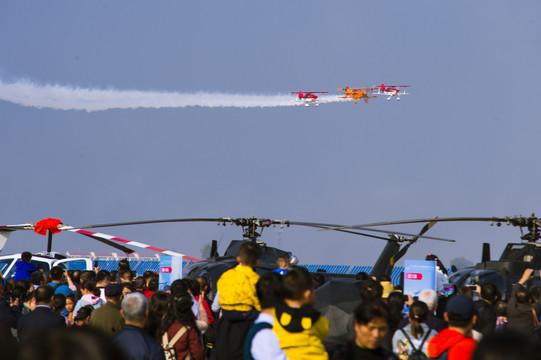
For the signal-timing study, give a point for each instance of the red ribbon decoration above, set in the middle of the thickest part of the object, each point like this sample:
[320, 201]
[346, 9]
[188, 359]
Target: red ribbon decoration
[49, 224]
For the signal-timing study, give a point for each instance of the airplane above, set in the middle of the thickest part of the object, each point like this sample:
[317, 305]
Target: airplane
[358, 93]
[392, 90]
[308, 97]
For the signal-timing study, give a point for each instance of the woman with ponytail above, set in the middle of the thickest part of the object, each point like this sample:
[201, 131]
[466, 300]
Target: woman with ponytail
[414, 337]
[178, 327]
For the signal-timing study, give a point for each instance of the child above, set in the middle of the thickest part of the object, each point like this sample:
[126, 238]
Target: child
[300, 328]
[68, 309]
[283, 265]
[24, 267]
[262, 342]
[239, 303]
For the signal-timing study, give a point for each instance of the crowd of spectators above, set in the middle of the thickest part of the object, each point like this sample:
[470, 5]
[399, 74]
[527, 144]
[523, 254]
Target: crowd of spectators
[115, 315]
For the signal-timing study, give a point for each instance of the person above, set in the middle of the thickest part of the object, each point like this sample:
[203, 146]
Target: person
[501, 315]
[102, 280]
[238, 300]
[486, 318]
[132, 341]
[108, 318]
[261, 342]
[139, 284]
[197, 292]
[387, 286]
[67, 344]
[415, 336]
[37, 278]
[179, 290]
[456, 341]
[83, 316]
[300, 328]
[520, 314]
[282, 264]
[126, 289]
[89, 298]
[58, 275]
[371, 322]
[178, 330]
[29, 303]
[147, 275]
[24, 267]
[43, 318]
[9, 316]
[370, 289]
[153, 286]
[430, 298]
[361, 275]
[506, 345]
[68, 309]
[442, 276]
[123, 265]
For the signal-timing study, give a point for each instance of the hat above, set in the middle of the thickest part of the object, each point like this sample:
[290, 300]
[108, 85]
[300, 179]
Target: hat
[113, 290]
[462, 305]
[387, 288]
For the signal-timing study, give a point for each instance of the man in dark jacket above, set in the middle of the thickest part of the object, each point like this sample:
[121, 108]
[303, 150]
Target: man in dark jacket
[9, 315]
[108, 318]
[43, 317]
[132, 340]
[520, 315]
[486, 315]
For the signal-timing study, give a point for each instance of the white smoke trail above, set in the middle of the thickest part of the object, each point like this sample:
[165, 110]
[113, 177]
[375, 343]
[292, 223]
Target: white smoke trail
[26, 93]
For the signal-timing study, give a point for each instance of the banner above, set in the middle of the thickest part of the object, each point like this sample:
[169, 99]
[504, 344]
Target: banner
[170, 269]
[419, 275]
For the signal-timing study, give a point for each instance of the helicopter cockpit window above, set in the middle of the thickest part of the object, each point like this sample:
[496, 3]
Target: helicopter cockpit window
[481, 277]
[528, 257]
[4, 265]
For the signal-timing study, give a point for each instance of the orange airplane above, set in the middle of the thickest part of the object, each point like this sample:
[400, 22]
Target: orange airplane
[358, 93]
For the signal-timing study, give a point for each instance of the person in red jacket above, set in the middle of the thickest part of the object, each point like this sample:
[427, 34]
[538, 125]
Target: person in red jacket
[455, 341]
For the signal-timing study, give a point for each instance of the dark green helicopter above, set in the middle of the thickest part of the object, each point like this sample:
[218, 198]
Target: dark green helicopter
[508, 269]
[213, 267]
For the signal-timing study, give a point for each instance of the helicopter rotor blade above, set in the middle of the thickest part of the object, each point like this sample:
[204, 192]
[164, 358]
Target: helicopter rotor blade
[428, 226]
[337, 228]
[516, 221]
[161, 221]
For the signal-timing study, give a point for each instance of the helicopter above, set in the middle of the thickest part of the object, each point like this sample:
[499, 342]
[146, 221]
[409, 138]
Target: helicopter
[504, 272]
[212, 268]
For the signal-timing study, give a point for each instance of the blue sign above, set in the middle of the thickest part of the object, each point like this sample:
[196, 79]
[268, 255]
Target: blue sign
[170, 270]
[419, 275]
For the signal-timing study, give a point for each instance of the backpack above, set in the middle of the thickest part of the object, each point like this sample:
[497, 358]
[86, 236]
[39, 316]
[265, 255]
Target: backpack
[169, 346]
[443, 356]
[417, 354]
[251, 334]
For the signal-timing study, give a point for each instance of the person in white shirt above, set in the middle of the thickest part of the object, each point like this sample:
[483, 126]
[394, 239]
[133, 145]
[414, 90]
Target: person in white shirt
[261, 342]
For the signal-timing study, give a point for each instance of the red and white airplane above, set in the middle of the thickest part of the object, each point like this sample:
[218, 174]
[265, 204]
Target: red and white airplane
[392, 90]
[308, 97]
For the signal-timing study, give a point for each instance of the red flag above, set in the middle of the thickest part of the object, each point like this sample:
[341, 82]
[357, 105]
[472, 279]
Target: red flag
[48, 224]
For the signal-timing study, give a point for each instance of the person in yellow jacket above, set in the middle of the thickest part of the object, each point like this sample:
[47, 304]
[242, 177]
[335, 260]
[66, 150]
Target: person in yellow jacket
[240, 305]
[299, 327]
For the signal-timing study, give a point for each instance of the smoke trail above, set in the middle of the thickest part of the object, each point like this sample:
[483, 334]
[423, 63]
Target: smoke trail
[26, 93]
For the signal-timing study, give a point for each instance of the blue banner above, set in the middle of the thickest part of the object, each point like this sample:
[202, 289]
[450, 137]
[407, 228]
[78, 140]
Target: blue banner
[170, 270]
[419, 275]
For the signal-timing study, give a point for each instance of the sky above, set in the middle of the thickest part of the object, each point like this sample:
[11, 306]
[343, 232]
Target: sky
[464, 142]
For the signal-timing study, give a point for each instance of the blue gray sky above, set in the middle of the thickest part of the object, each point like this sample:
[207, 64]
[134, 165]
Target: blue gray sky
[465, 142]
